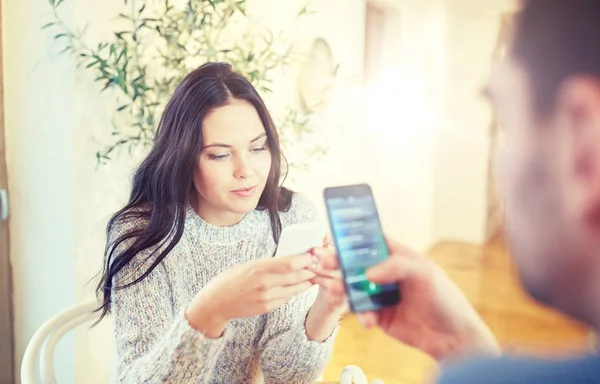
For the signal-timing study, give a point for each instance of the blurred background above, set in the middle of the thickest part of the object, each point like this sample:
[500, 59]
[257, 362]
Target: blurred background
[385, 92]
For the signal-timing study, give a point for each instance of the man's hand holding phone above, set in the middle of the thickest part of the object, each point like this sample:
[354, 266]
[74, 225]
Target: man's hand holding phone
[433, 315]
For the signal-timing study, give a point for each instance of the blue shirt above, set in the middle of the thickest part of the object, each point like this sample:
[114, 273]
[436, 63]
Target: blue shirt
[511, 370]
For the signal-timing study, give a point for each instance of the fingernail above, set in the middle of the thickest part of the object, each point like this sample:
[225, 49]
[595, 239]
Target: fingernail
[315, 260]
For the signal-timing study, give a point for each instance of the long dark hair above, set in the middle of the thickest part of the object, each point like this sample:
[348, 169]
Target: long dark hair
[163, 183]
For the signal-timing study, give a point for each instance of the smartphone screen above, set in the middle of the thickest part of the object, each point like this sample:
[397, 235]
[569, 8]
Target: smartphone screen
[360, 244]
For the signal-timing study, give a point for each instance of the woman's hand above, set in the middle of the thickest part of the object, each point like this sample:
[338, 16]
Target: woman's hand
[433, 314]
[249, 289]
[332, 294]
[330, 303]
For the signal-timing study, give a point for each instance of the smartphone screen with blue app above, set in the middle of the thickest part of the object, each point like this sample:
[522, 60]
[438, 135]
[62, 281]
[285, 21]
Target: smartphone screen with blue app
[358, 236]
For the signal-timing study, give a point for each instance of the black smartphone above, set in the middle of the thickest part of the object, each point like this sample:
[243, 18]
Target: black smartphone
[360, 244]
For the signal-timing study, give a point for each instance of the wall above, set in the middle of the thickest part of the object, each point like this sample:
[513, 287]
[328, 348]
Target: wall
[338, 125]
[408, 110]
[100, 190]
[384, 135]
[462, 153]
[40, 137]
[60, 202]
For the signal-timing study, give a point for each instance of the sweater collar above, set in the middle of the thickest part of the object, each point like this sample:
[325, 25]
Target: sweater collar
[213, 234]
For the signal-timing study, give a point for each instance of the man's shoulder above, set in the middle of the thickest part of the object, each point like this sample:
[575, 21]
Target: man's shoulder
[523, 370]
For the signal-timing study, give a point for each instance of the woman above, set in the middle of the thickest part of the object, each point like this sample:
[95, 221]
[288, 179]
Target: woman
[189, 277]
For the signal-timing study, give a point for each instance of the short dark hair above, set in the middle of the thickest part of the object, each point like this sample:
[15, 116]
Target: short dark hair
[554, 40]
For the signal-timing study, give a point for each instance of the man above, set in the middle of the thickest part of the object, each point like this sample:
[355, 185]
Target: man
[547, 93]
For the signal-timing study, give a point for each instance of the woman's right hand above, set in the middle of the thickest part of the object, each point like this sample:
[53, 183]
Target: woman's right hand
[253, 288]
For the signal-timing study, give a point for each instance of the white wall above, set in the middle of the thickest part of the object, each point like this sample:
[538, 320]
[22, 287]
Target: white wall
[407, 125]
[463, 146]
[40, 139]
[384, 136]
[339, 125]
[100, 191]
[59, 201]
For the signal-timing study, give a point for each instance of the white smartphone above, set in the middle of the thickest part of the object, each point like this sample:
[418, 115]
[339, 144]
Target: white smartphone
[300, 238]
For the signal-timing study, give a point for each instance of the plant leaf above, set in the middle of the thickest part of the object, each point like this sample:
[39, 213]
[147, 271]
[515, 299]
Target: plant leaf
[123, 52]
[92, 63]
[120, 79]
[69, 48]
[120, 34]
[241, 7]
[108, 84]
[190, 30]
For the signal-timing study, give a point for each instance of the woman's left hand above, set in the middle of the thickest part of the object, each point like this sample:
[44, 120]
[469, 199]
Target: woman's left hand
[332, 294]
[330, 303]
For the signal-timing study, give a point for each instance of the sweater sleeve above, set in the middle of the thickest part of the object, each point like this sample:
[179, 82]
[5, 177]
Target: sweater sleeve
[287, 355]
[154, 341]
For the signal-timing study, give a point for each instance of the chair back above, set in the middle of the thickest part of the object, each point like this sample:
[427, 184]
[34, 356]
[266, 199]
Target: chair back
[42, 345]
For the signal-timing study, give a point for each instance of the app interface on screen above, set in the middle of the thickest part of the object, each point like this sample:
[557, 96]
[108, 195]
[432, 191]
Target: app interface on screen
[360, 245]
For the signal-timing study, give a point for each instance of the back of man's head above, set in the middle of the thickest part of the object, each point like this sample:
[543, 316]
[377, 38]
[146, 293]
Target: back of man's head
[555, 39]
[547, 93]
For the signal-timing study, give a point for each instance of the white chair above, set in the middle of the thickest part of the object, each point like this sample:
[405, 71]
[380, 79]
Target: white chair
[46, 338]
[43, 343]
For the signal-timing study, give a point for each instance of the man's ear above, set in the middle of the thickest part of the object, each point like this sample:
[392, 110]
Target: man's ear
[578, 147]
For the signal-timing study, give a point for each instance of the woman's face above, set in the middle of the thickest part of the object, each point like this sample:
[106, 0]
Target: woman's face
[234, 163]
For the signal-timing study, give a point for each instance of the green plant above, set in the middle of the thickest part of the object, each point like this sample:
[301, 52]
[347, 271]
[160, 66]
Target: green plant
[146, 59]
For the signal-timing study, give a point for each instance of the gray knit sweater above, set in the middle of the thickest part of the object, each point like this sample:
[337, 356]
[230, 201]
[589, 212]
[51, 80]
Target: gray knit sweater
[155, 343]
